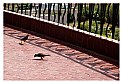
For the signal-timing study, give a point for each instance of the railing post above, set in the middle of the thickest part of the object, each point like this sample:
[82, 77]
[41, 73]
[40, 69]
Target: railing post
[63, 14]
[80, 6]
[4, 6]
[12, 7]
[85, 15]
[103, 9]
[8, 6]
[30, 9]
[18, 7]
[21, 8]
[49, 10]
[54, 12]
[40, 5]
[114, 17]
[26, 8]
[108, 20]
[91, 9]
[68, 15]
[35, 9]
[59, 11]
[96, 17]
[74, 15]
[44, 10]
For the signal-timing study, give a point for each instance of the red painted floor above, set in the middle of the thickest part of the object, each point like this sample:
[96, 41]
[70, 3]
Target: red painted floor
[65, 63]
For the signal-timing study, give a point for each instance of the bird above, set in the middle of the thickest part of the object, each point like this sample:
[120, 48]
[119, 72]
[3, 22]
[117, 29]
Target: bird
[23, 39]
[40, 55]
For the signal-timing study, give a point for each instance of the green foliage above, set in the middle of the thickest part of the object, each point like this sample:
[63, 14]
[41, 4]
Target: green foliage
[93, 29]
[110, 13]
[95, 9]
[117, 36]
[86, 25]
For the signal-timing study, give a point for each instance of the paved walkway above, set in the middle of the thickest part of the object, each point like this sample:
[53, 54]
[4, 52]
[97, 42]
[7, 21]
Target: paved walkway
[64, 63]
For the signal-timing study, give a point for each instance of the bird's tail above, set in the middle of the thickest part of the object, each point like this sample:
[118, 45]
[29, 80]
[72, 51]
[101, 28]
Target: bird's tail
[46, 55]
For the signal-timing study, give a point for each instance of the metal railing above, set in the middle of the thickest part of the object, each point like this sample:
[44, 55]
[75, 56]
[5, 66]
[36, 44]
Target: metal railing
[98, 18]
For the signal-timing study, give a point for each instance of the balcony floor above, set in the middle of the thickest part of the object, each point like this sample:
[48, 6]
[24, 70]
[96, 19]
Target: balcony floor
[65, 63]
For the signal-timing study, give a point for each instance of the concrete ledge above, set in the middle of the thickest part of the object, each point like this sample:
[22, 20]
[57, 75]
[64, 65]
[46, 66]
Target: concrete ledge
[107, 47]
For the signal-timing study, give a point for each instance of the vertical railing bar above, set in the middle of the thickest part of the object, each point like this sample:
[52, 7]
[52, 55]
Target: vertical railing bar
[44, 10]
[103, 9]
[54, 12]
[80, 6]
[8, 6]
[85, 16]
[21, 8]
[70, 8]
[40, 5]
[78, 16]
[12, 7]
[18, 8]
[101, 26]
[90, 17]
[96, 19]
[4, 6]
[49, 10]
[68, 15]
[91, 9]
[59, 11]
[26, 8]
[63, 14]
[114, 17]
[108, 20]
[35, 9]
[30, 9]
[74, 15]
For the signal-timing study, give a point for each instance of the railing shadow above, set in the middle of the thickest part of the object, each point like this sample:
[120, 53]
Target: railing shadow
[80, 56]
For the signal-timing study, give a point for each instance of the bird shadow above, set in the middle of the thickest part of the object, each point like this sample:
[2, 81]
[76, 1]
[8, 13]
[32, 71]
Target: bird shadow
[21, 44]
[40, 59]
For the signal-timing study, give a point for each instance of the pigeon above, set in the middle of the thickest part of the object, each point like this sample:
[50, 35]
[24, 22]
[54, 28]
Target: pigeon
[40, 55]
[24, 39]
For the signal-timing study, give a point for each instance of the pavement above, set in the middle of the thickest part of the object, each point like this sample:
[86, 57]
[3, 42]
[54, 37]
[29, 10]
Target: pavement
[64, 62]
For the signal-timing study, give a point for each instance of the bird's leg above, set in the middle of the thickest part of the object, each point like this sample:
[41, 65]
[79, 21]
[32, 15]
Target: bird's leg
[20, 42]
[41, 58]
[23, 42]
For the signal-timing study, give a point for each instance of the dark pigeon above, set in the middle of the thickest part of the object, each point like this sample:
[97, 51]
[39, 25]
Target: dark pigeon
[40, 55]
[24, 38]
